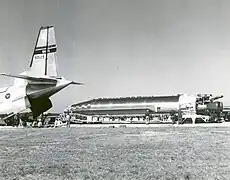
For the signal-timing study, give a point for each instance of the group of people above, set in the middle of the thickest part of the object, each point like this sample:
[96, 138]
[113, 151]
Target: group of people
[17, 120]
[65, 117]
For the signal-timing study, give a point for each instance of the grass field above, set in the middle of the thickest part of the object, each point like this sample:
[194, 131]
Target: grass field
[115, 153]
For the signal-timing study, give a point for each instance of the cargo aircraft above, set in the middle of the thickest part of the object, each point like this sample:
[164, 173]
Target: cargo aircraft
[33, 88]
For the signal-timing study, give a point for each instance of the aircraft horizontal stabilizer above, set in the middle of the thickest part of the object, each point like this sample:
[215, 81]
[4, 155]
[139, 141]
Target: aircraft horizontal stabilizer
[33, 79]
[77, 83]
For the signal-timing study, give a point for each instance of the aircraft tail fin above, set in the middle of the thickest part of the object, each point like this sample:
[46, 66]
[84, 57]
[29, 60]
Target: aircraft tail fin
[43, 62]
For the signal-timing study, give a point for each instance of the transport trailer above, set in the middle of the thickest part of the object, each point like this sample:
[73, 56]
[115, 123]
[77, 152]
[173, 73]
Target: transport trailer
[225, 114]
[183, 104]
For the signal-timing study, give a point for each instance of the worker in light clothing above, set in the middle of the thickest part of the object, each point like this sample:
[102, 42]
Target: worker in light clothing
[16, 121]
[68, 120]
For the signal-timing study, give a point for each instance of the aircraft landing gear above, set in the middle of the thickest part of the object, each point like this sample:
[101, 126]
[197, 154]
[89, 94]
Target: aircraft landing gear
[13, 121]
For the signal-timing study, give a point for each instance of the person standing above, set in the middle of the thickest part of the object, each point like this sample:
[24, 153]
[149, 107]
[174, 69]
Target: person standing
[68, 120]
[16, 120]
[56, 122]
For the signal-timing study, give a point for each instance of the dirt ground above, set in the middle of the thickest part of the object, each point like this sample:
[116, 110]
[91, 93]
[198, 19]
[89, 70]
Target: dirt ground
[115, 153]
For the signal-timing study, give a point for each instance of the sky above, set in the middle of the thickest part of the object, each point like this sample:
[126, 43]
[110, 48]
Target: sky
[123, 47]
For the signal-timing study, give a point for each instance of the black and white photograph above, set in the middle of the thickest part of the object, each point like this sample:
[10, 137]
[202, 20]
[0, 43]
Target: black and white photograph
[114, 89]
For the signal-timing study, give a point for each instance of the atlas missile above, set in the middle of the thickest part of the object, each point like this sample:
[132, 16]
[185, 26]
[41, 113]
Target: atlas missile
[147, 105]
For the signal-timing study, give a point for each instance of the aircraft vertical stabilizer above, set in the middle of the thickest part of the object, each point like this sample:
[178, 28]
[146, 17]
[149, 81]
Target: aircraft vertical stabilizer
[43, 62]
